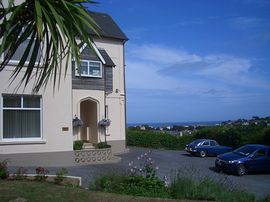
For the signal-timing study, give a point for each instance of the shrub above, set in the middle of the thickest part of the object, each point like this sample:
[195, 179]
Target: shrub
[156, 140]
[78, 144]
[141, 180]
[236, 136]
[131, 185]
[103, 145]
[141, 186]
[108, 183]
[41, 174]
[60, 175]
[3, 170]
[20, 173]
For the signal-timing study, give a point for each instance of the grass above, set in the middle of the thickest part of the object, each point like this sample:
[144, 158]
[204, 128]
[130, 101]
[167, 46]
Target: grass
[206, 189]
[44, 191]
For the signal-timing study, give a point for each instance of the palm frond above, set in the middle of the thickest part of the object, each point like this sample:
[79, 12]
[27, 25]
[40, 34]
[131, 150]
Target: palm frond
[54, 31]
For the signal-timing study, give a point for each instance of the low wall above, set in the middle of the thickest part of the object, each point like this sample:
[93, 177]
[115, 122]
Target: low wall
[82, 157]
[61, 159]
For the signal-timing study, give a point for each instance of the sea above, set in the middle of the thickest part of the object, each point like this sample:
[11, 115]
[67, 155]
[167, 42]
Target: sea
[170, 124]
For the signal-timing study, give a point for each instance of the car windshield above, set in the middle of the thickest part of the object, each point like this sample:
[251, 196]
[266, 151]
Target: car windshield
[195, 142]
[245, 150]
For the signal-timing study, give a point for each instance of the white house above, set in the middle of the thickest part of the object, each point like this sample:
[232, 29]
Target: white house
[43, 122]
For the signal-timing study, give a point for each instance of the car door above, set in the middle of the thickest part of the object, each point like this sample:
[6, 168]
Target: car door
[214, 147]
[259, 160]
[206, 146]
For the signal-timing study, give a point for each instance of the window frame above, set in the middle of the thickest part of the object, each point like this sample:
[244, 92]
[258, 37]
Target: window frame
[208, 143]
[16, 62]
[215, 143]
[257, 154]
[77, 73]
[2, 108]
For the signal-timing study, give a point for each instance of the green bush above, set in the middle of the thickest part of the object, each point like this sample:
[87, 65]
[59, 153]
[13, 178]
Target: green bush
[78, 144]
[103, 145]
[182, 187]
[140, 180]
[3, 170]
[236, 136]
[131, 185]
[156, 140]
[60, 175]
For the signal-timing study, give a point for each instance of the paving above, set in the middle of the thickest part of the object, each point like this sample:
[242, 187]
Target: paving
[169, 162]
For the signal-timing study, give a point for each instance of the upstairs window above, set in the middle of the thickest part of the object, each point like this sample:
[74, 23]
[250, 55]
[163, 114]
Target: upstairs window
[89, 68]
[21, 117]
[20, 51]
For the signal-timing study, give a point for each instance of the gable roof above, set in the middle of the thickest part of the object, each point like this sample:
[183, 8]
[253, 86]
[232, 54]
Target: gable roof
[99, 54]
[107, 26]
[107, 58]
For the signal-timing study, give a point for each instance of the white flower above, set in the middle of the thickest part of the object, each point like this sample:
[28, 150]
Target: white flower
[138, 158]
[157, 167]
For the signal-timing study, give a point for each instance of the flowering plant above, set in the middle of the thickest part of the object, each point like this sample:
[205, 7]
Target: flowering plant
[145, 166]
[41, 174]
[105, 122]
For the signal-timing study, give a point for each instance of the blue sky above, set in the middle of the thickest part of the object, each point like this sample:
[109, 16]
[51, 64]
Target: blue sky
[195, 60]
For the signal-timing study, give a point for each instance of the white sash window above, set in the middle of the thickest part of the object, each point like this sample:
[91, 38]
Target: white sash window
[21, 117]
[89, 68]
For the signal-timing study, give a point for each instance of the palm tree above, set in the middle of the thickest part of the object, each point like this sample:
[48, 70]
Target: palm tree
[52, 29]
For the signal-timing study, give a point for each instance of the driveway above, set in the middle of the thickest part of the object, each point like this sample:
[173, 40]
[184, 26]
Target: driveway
[169, 162]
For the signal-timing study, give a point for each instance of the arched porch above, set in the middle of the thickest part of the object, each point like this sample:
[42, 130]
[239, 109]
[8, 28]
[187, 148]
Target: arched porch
[89, 115]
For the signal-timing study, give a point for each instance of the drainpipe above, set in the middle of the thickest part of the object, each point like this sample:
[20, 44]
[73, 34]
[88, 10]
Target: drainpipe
[125, 108]
[104, 72]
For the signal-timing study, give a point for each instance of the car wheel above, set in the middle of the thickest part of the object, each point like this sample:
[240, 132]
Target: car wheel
[203, 153]
[241, 170]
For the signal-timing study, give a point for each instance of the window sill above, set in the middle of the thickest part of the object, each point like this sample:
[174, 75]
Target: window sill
[88, 76]
[24, 142]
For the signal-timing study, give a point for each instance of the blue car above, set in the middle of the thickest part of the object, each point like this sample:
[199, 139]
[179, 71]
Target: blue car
[206, 147]
[249, 158]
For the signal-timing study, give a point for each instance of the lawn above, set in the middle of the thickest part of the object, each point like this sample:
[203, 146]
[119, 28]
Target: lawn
[21, 191]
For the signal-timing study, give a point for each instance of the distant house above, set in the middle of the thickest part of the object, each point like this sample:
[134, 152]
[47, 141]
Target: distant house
[50, 121]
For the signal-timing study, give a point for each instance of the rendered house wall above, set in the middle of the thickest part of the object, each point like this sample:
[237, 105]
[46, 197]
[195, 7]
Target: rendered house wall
[56, 114]
[116, 100]
[116, 133]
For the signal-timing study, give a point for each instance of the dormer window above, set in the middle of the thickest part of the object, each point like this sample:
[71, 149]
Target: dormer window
[89, 68]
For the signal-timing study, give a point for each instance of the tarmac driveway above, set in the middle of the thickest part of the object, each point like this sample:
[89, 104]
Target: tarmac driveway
[169, 162]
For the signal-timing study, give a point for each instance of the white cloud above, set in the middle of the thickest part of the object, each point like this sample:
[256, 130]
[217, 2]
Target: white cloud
[157, 67]
[226, 67]
[160, 54]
